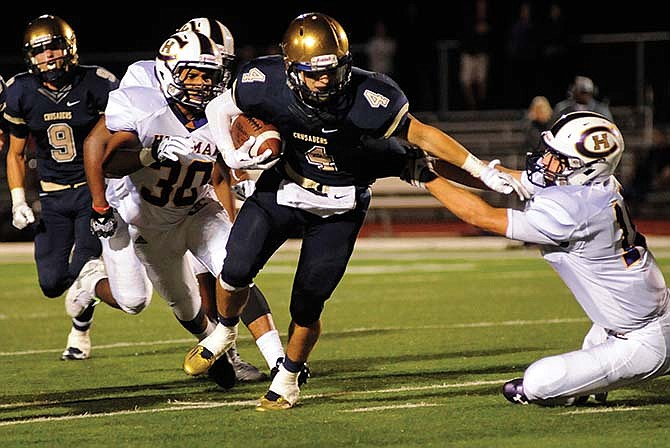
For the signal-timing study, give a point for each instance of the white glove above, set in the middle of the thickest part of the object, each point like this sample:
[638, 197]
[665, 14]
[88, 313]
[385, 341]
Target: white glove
[241, 159]
[171, 147]
[22, 214]
[502, 182]
[244, 188]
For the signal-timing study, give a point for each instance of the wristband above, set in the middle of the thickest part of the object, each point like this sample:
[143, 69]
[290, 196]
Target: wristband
[146, 157]
[473, 165]
[101, 210]
[18, 195]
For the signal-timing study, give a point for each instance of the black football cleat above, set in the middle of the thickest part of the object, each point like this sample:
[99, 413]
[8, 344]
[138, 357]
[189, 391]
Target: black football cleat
[304, 374]
[223, 372]
[513, 391]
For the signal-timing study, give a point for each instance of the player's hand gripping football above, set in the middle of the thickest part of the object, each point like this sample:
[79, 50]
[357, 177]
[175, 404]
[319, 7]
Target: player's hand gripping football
[241, 157]
[103, 224]
[502, 182]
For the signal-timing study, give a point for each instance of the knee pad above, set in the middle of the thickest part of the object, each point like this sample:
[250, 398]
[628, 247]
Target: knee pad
[305, 313]
[235, 276]
[257, 306]
[52, 287]
[133, 305]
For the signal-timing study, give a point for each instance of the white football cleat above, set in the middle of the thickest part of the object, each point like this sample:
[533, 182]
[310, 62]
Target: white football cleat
[78, 345]
[82, 292]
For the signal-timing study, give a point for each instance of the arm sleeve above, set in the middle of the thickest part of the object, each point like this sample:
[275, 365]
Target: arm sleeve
[219, 113]
[119, 114]
[543, 222]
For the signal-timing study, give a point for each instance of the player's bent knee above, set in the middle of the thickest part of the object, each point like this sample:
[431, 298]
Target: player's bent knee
[229, 287]
[305, 314]
[545, 378]
[133, 305]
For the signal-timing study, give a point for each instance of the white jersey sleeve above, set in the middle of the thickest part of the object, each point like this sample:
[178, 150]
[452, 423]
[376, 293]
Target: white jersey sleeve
[140, 73]
[126, 107]
[551, 217]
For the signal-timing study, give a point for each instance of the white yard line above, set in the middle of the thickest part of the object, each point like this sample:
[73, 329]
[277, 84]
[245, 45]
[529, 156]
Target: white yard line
[176, 406]
[509, 323]
[187, 406]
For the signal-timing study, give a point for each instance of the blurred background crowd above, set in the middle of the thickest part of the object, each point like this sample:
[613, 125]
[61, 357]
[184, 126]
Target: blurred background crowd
[492, 74]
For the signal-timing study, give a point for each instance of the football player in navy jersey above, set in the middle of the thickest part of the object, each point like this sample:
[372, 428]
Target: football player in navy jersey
[324, 108]
[57, 102]
[3, 122]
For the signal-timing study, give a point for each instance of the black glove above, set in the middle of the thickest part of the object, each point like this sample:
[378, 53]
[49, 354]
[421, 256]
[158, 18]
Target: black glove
[103, 224]
[419, 168]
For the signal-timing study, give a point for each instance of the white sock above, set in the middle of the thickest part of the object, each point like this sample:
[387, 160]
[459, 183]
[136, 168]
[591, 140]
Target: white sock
[211, 326]
[270, 346]
[286, 385]
[221, 339]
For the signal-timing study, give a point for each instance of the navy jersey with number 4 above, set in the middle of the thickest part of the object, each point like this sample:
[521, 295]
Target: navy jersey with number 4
[324, 146]
[59, 121]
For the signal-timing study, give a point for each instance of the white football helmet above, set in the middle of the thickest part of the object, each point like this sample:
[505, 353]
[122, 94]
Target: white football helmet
[220, 34]
[580, 148]
[181, 53]
[214, 29]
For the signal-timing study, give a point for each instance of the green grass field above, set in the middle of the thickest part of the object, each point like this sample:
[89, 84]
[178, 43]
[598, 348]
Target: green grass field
[416, 345]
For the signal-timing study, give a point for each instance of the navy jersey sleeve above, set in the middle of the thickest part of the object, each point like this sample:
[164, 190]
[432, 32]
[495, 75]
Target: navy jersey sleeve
[252, 85]
[3, 104]
[380, 106]
[14, 113]
[102, 81]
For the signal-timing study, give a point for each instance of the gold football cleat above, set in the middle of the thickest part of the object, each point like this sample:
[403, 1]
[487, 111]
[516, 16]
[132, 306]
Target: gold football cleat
[273, 405]
[198, 361]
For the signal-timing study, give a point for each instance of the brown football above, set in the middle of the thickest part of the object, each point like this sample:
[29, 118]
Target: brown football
[267, 135]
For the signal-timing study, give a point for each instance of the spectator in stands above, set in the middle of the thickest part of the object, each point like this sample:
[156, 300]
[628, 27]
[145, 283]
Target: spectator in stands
[3, 123]
[380, 50]
[582, 96]
[521, 56]
[536, 121]
[556, 42]
[475, 56]
[651, 170]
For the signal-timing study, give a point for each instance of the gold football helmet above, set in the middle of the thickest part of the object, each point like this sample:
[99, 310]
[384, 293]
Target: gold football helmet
[48, 32]
[315, 44]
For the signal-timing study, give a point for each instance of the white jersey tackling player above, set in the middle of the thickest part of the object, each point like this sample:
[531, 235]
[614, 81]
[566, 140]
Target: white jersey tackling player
[578, 217]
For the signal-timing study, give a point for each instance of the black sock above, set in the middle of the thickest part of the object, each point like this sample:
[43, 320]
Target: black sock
[84, 321]
[293, 366]
[228, 321]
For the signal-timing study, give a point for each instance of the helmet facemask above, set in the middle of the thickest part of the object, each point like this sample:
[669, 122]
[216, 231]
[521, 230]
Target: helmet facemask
[556, 168]
[337, 71]
[195, 95]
